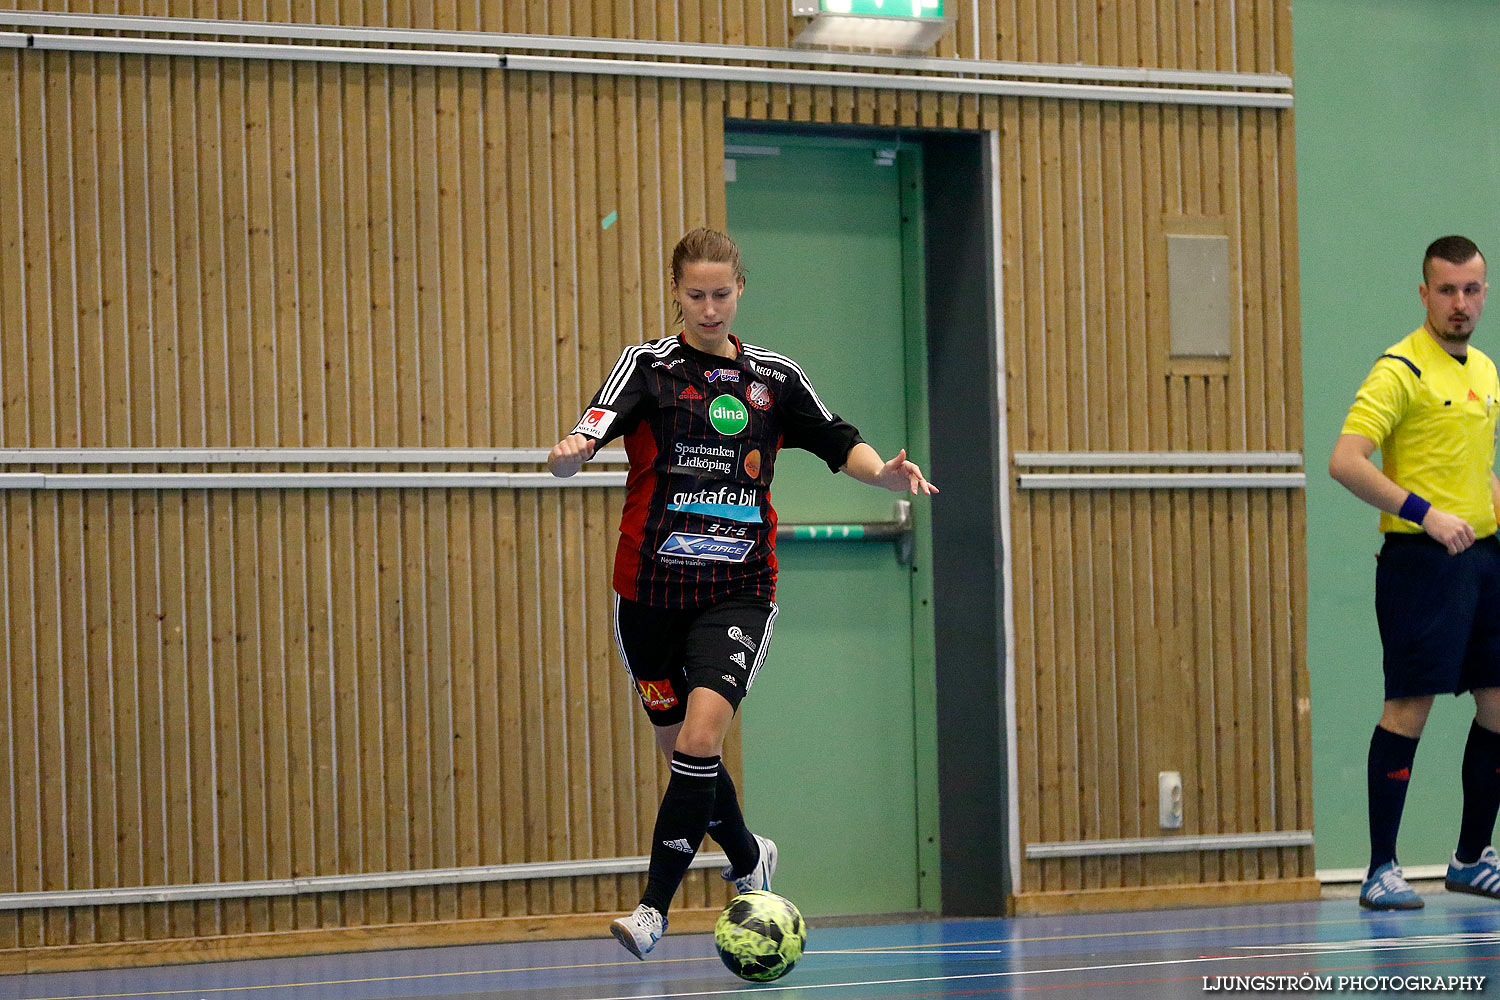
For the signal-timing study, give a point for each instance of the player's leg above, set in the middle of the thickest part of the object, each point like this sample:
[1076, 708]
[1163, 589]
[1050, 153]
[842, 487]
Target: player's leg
[1424, 603]
[651, 643]
[1475, 867]
[688, 803]
[723, 649]
[1393, 747]
[726, 650]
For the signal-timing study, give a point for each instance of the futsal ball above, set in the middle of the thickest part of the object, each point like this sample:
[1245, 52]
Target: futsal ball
[760, 936]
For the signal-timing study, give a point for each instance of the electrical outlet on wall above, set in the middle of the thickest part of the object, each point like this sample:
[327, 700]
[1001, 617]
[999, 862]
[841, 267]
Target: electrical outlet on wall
[1169, 799]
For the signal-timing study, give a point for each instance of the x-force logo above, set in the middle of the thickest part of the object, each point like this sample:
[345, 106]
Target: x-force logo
[685, 546]
[657, 694]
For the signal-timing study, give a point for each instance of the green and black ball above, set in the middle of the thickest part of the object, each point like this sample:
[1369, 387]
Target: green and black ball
[760, 936]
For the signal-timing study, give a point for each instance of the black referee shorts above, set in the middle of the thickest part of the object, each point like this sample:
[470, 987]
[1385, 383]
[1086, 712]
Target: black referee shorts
[1439, 615]
[670, 651]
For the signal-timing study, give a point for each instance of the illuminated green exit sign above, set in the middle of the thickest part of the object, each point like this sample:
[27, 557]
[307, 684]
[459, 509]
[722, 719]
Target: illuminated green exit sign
[872, 8]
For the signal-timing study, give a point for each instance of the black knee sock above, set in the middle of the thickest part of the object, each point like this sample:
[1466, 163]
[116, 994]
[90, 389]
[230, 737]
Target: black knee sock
[1481, 778]
[685, 810]
[1388, 773]
[728, 827]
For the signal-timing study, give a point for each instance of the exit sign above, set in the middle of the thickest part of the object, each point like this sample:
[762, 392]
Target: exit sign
[871, 8]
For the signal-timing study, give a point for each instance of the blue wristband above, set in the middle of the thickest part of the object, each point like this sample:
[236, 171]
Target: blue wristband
[1414, 509]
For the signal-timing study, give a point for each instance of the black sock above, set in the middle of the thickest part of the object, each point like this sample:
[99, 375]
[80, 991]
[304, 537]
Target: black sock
[1388, 773]
[729, 830]
[685, 810]
[1481, 779]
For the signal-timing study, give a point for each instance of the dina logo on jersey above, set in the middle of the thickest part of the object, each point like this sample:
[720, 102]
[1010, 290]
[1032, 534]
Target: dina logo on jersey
[728, 415]
[685, 546]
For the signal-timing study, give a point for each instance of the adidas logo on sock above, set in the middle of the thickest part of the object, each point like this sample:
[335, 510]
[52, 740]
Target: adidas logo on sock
[678, 845]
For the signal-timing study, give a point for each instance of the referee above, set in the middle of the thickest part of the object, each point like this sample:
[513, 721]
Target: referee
[1430, 405]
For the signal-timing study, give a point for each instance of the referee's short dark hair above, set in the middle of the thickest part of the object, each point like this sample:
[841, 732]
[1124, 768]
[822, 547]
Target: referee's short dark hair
[1453, 249]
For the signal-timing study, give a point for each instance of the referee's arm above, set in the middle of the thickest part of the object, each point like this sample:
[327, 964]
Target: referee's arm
[1350, 464]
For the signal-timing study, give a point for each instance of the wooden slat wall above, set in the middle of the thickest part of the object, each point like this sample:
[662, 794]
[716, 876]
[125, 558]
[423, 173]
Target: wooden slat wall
[204, 686]
[1155, 630]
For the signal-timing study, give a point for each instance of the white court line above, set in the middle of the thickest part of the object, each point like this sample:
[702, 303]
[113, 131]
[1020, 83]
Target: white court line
[1388, 943]
[741, 991]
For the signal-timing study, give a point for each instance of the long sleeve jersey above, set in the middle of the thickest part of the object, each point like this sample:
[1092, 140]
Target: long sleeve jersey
[702, 433]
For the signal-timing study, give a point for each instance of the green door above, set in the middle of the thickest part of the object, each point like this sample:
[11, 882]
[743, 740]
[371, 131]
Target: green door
[839, 732]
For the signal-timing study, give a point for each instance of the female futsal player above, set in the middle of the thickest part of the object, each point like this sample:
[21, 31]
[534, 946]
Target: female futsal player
[703, 416]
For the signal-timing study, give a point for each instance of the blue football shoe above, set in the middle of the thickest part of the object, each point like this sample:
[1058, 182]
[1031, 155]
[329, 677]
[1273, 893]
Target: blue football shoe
[1386, 889]
[1482, 878]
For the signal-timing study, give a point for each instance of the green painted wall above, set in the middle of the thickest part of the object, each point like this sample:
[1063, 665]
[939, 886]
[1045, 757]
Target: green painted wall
[1398, 142]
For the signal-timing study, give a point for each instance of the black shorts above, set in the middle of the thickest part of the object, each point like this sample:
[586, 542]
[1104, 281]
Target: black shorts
[1439, 615]
[670, 651]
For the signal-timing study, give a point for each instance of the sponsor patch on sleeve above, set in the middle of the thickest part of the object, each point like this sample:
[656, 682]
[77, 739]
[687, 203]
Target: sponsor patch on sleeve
[595, 422]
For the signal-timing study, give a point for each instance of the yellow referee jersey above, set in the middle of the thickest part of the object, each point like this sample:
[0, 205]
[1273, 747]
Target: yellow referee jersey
[1433, 419]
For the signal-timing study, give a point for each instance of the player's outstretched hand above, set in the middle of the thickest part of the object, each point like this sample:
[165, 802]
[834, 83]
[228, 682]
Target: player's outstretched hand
[569, 454]
[898, 475]
[1454, 532]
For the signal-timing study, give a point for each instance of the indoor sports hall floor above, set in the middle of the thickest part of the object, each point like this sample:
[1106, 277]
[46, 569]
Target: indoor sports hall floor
[1156, 955]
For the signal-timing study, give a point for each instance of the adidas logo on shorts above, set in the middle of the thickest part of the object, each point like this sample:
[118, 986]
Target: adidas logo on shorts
[739, 659]
[678, 845]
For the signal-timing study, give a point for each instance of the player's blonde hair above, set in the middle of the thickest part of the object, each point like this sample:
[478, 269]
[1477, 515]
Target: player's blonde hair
[706, 246]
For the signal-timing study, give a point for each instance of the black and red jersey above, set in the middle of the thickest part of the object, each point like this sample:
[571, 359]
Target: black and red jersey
[702, 433]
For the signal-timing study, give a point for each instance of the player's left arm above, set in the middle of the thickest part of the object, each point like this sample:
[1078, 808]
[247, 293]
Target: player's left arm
[1495, 493]
[898, 475]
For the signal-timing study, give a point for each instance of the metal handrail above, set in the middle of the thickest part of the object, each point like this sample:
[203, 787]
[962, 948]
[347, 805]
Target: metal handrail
[642, 47]
[901, 531]
[1160, 480]
[1069, 459]
[289, 456]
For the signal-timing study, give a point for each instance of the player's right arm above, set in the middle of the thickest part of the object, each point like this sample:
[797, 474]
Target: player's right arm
[1350, 465]
[612, 409]
[569, 454]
